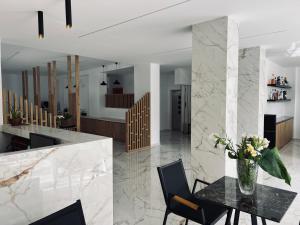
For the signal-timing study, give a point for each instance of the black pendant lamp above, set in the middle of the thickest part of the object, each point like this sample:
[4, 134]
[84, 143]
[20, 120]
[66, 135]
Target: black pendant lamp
[116, 82]
[68, 14]
[103, 83]
[41, 24]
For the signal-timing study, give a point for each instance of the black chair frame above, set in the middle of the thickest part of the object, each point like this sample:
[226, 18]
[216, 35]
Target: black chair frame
[170, 196]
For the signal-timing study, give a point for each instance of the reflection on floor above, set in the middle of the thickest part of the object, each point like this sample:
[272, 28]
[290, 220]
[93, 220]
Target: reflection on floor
[137, 193]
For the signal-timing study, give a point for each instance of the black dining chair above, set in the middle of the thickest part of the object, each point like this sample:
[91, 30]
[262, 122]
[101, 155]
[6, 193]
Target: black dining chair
[71, 215]
[182, 202]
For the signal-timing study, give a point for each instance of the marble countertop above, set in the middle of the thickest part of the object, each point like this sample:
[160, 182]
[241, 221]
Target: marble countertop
[65, 136]
[38, 182]
[281, 119]
[117, 120]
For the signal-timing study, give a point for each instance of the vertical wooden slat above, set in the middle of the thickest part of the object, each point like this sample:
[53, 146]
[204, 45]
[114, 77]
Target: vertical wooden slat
[21, 107]
[23, 83]
[50, 120]
[26, 84]
[15, 99]
[4, 104]
[31, 113]
[26, 111]
[49, 87]
[45, 118]
[54, 89]
[54, 121]
[41, 116]
[36, 115]
[77, 79]
[38, 86]
[34, 85]
[70, 85]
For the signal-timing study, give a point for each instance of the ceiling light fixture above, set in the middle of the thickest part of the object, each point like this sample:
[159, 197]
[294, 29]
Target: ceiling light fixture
[116, 82]
[103, 83]
[41, 24]
[68, 14]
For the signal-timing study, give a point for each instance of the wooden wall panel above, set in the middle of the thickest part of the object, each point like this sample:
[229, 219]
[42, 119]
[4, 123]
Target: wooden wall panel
[119, 100]
[284, 133]
[138, 124]
[116, 130]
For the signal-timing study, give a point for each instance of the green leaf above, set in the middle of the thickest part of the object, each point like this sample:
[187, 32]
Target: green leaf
[271, 163]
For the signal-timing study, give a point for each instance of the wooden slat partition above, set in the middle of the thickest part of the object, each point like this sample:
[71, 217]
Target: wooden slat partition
[138, 124]
[30, 113]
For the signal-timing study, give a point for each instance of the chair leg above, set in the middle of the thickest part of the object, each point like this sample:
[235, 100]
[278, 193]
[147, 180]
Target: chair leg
[228, 218]
[236, 217]
[253, 220]
[166, 217]
[263, 220]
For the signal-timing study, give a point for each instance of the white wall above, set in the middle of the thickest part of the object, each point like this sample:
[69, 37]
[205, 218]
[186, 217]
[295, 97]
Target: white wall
[147, 79]
[1, 109]
[167, 84]
[183, 75]
[126, 82]
[96, 95]
[13, 82]
[281, 108]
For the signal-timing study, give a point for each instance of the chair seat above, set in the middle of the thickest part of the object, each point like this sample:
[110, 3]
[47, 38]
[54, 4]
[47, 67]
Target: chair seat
[212, 212]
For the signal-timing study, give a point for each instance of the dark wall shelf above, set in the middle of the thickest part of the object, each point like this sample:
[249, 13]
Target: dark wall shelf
[280, 86]
[282, 100]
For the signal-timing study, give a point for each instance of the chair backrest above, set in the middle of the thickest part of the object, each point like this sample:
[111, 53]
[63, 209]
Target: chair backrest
[71, 215]
[173, 180]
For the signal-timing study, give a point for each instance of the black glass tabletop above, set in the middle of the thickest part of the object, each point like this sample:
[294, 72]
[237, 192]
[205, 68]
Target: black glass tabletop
[267, 202]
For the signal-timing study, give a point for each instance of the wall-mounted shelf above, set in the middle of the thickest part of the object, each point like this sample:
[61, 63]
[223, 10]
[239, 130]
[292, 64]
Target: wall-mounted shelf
[282, 100]
[280, 86]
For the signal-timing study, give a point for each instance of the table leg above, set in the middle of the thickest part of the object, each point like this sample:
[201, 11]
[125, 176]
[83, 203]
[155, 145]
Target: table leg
[263, 220]
[236, 217]
[254, 220]
[228, 218]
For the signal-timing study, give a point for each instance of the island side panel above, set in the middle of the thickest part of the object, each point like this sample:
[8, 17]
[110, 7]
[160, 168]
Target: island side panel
[34, 184]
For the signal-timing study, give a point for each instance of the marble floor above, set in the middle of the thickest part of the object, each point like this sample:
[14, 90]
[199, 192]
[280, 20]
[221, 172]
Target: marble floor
[137, 193]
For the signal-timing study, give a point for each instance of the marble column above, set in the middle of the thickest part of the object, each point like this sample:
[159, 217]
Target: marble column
[251, 91]
[1, 104]
[214, 95]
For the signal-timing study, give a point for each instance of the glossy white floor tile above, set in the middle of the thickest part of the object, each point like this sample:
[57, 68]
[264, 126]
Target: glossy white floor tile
[138, 197]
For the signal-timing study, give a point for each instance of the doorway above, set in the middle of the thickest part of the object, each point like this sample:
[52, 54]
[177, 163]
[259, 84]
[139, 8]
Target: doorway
[176, 109]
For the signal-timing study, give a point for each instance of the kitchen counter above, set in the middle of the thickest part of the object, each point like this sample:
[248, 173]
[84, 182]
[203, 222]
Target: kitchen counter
[37, 182]
[281, 119]
[108, 127]
[117, 120]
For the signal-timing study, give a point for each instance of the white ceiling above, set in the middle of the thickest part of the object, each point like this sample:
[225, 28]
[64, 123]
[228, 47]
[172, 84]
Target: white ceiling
[16, 59]
[145, 31]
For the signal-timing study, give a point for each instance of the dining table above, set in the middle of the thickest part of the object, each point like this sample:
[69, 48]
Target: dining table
[266, 203]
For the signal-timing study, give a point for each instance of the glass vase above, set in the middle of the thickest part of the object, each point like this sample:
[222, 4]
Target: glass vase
[247, 170]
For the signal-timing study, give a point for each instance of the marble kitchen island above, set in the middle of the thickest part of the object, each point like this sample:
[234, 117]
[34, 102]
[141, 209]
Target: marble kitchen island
[37, 182]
